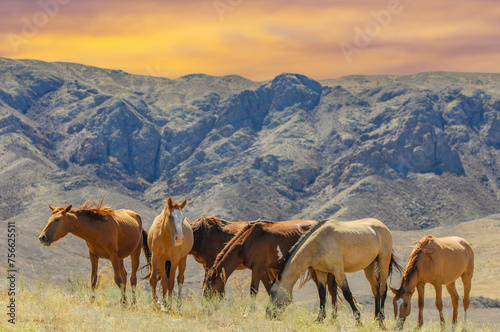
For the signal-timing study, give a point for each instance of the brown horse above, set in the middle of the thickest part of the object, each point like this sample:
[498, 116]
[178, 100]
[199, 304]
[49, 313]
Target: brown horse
[438, 261]
[338, 247]
[261, 246]
[170, 240]
[109, 234]
[211, 235]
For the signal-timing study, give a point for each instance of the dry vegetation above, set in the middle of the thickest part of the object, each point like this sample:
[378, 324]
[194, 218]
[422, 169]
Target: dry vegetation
[46, 306]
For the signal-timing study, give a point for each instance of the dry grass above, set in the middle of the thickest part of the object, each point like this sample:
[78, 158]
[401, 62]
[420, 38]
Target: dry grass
[47, 306]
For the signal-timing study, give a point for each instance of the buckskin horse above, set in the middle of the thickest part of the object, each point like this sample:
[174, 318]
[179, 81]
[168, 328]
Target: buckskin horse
[109, 234]
[261, 246]
[339, 247]
[211, 234]
[170, 239]
[438, 261]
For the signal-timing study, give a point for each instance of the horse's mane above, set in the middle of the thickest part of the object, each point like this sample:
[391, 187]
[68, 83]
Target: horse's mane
[229, 245]
[95, 211]
[411, 267]
[208, 221]
[297, 245]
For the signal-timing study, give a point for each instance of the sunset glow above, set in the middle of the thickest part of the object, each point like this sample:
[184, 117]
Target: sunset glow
[257, 39]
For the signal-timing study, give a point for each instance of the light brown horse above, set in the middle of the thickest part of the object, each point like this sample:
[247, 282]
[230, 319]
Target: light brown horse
[210, 236]
[338, 247]
[170, 240]
[438, 261]
[261, 246]
[109, 234]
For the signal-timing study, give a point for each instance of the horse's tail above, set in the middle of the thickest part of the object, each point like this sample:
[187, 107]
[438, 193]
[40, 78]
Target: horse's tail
[395, 265]
[145, 246]
[147, 253]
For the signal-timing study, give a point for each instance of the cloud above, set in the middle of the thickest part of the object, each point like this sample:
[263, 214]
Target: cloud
[255, 38]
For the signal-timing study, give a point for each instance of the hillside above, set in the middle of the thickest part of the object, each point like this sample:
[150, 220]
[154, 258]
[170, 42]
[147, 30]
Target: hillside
[415, 151]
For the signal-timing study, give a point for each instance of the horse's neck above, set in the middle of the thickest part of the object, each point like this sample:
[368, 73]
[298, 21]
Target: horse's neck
[82, 227]
[293, 269]
[231, 260]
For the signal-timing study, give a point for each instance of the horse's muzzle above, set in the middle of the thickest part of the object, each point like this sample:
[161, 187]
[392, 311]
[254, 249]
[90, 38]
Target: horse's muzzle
[44, 240]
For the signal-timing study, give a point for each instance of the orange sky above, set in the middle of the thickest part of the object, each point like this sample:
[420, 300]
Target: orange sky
[255, 38]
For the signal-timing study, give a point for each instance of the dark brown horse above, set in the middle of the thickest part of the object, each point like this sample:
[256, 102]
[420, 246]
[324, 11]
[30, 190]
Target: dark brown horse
[261, 246]
[211, 234]
[109, 234]
[438, 261]
[170, 239]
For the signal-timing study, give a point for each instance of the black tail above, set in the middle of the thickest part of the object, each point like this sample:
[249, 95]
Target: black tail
[145, 246]
[147, 253]
[395, 265]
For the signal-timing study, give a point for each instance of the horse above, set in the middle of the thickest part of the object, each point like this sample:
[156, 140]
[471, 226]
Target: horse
[210, 236]
[109, 234]
[170, 240]
[262, 247]
[339, 247]
[438, 261]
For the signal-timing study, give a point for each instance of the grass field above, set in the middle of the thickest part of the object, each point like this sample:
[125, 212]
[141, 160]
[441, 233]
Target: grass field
[46, 306]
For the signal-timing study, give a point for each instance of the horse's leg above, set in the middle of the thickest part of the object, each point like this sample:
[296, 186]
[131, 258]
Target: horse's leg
[420, 291]
[321, 284]
[152, 277]
[94, 262]
[134, 259]
[254, 285]
[344, 286]
[332, 289]
[466, 280]
[123, 274]
[163, 282]
[180, 280]
[384, 262]
[266, 280]
[171, 282]
[115, 262]
[439, 299]
[454, 301]
[372, 279]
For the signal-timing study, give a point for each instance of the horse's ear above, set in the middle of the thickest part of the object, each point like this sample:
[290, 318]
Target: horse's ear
[183, 204]
[395, 291]
[67, 209]
[51, 208]
[169, 202]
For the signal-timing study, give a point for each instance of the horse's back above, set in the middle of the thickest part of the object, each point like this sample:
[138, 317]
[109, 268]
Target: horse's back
[456, 254]
[359, 242]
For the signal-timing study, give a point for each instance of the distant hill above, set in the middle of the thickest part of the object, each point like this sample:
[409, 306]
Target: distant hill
[415, 151]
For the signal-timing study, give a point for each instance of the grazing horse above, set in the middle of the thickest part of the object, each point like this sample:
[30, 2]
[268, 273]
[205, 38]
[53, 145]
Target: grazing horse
[261, 246]
[170, 240]
[338, 247]
[109, 234]
[438, 261]
[211, 235]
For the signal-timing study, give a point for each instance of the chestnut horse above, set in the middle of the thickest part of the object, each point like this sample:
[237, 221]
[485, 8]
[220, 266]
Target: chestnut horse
[438, 261]
[109, 234]
[338, 247]
[261, 246]
[211, 235]
[170, 240]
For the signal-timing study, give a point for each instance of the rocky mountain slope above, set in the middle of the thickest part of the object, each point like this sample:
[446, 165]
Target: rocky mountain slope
[414, 151]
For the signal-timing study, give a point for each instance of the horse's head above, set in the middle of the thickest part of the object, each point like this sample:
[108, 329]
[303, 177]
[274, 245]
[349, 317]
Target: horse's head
[176, 218]
[280, 299]
[402, 306]
[214, 284]
[57, 226]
